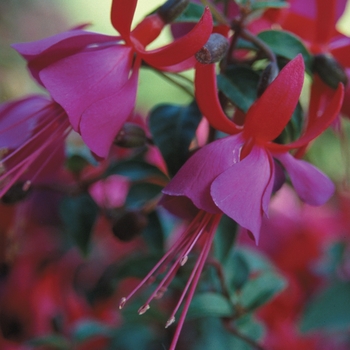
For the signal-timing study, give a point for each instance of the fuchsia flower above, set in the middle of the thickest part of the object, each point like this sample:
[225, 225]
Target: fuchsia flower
[94, 77]
[235, 175]
[315, 22]
[31, 141]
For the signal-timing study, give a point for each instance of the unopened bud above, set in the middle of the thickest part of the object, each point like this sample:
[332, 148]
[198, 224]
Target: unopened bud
[130, 136]
[268, 75]
[172, 9]
[214, 50]
[129, 225]
[16, 193]
[329, 70]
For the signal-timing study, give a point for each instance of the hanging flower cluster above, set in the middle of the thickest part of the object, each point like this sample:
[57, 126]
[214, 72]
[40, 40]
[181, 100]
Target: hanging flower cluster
[221, 157]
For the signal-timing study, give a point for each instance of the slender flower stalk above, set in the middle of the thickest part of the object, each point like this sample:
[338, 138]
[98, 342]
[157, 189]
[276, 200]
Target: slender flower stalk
[201, 230]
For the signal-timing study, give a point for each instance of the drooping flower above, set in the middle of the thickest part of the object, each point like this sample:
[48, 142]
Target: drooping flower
[32, 133]
[235, 175]
[315, 22]
[94, 77]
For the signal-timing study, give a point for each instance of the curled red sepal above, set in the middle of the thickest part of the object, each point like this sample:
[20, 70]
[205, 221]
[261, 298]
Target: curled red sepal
[208, 101]
[122, 14]
[318, 125]
[182, 48]
[269, 115]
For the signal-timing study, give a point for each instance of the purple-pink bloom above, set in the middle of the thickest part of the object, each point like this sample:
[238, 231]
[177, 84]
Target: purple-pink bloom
[32, 136]
[235, 175]
[94, 77]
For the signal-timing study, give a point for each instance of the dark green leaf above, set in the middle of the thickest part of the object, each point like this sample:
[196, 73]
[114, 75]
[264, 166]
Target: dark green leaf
[135, 170]
[153, 233]
[261, 289]
[287, 45]
[192, 13]
[173, 128]
[329, 310]
[79, 215]
[76, 163]
[140, 193]
[209, 305]
[224, 238]
[239, 85]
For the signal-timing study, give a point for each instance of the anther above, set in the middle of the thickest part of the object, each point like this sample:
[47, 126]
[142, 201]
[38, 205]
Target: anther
[122, 303]
[183, 260]
[170, 322]
[143, 309]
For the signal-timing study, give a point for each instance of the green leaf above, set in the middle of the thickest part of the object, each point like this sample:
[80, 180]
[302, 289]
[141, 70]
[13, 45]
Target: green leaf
[135, 170]
[209, 305]
[329, 310]
[78, 215]
[236, 270]
[51, 341]
[89, 329]
[153, 233]
[192, 13]
[239, 85]
[140, 193]
[224, 238]
[173, 129]
[258, 5]
[287, 45]
[261, 289]
[76, 163]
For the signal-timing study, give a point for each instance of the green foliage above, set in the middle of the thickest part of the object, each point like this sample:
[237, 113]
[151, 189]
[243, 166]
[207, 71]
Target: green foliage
[78, 215]
[173, 129]
[209, 305]
[286, 45]
[330, 310]
[192, 13]
[50, 341]
[239, 85]
[259, 290]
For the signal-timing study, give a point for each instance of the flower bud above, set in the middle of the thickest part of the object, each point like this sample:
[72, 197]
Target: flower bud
[131, 135]
[329, 70]
[268, 75]
[129, 225]
[172, 9]
[16, 193]
[214, 50]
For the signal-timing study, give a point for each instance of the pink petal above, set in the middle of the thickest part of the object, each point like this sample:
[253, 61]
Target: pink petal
[195, 177]
[42, 53]
[78, 81]
[318, 125]
[312, 186]
[18, 119]
[268, 116]
[102, 120]
[122, 14]
[208, 102]
[243, 191]
[182, 48]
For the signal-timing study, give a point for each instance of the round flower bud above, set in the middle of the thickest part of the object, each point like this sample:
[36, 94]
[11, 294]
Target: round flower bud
[329, 70]
[268, 75]
[172, 9]
[16, 193]
[130, 136]
[129, 225]
[214, 50]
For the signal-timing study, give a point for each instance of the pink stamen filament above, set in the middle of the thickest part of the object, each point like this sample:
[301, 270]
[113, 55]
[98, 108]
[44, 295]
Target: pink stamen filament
[167, 256]
[196, 275]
